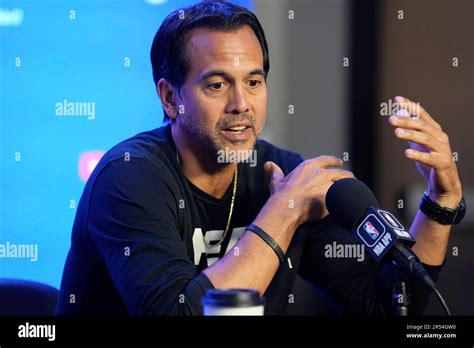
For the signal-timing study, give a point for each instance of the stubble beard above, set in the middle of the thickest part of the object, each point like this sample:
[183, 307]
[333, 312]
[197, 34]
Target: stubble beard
[215, 141]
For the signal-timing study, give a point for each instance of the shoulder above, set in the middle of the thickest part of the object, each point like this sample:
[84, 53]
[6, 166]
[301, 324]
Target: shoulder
[141, 162]
[149, 144]
[150, 150]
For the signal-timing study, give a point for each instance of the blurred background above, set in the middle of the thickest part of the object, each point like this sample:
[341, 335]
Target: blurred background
[333, 64]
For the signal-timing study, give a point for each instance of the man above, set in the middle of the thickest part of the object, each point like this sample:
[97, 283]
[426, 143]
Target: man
[165, 216]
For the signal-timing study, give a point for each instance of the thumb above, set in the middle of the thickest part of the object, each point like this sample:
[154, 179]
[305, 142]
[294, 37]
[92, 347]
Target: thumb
[274, 173]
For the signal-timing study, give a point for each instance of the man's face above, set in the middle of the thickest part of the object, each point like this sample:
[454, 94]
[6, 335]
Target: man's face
[225, 95]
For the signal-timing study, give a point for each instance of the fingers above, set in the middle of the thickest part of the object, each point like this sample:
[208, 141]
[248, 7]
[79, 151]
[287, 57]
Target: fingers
[417, 110]
[324, 161]
[328, 166]
[338, 174]
[434, 160]
[421, 138]
[423, 130]
[418, 124]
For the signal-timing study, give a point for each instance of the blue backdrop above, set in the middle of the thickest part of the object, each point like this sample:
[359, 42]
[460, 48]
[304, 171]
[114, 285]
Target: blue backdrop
[75, 79]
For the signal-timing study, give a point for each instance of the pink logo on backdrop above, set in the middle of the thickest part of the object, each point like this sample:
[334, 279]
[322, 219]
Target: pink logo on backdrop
[87, 162]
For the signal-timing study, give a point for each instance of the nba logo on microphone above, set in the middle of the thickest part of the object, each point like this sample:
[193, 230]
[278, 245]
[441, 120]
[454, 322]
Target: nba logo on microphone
[371, 230]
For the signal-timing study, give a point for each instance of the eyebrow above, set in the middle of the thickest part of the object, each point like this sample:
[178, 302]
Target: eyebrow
[225, 75]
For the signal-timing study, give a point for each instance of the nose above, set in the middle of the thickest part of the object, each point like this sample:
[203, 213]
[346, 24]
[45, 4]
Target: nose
[238, 103]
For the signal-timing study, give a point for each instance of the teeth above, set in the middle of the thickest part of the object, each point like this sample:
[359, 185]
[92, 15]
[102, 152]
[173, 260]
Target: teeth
[237, 129]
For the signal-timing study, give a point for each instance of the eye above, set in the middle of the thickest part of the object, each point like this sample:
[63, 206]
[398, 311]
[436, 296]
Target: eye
[254, 83]
[217, 86]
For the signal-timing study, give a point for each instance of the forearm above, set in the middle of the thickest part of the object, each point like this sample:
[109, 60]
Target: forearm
[431, 239]
[252, 263]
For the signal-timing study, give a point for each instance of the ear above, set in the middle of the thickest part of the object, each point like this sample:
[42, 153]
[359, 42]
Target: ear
[168, 97]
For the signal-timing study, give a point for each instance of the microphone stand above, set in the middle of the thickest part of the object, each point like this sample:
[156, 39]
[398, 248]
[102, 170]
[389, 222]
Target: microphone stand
[400, 295]
[400, 298]
[404, 260]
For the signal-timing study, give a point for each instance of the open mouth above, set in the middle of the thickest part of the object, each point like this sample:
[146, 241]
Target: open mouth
[237, 129]
[238, 133]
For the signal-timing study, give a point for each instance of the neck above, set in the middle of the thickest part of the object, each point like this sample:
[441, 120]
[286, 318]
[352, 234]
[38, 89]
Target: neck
[201, 168]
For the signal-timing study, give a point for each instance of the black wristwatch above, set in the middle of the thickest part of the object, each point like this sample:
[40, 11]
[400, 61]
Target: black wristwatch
[444, 216]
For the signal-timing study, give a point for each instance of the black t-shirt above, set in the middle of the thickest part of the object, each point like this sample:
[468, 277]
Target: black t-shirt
[137, 243]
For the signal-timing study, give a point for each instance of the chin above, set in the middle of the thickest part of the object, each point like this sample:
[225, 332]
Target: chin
[239, 145]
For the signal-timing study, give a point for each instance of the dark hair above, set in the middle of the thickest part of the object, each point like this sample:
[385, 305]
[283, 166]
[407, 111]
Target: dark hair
[168, 54]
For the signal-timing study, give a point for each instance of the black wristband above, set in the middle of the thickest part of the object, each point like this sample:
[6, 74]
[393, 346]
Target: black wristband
[444, 216]
[269, 240]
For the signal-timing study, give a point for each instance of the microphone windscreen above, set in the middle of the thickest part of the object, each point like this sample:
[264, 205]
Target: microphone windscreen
[347, 200]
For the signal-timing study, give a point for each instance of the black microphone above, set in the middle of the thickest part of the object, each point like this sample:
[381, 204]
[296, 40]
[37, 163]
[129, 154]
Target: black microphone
[353, 205]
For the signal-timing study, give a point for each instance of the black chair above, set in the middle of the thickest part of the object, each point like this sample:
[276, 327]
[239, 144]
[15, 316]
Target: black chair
[25, 297]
